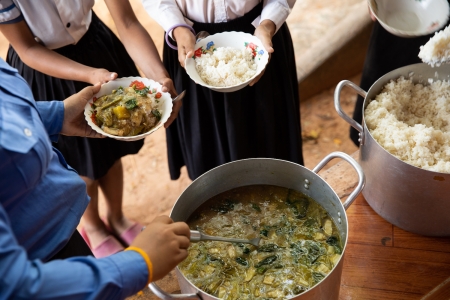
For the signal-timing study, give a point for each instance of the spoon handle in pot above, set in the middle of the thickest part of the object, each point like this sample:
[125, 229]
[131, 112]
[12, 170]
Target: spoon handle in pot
[197, 236]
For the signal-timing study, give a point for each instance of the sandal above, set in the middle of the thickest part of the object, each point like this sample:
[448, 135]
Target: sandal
[128, 236]
[108, 246]
[130, 233]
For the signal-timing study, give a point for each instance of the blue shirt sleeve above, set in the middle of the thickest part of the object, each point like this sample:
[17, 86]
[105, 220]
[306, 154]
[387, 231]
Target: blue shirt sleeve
[52, 115]
[115, 277]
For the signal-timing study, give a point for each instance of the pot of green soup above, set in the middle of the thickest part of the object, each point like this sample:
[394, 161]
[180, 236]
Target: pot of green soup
[298, 216]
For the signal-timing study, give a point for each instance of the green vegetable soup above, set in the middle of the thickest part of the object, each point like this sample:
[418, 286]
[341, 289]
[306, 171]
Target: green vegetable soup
[300, 244]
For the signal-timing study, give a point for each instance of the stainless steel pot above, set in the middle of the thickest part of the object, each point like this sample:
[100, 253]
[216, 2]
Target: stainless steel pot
[414, 199]
[271, 172]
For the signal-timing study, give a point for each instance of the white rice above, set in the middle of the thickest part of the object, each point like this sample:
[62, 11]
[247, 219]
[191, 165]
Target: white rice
[226, 66]
[412, 122]
[437, 50]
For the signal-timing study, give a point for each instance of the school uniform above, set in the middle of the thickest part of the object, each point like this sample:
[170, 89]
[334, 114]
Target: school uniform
[71, 29]
[214, 128]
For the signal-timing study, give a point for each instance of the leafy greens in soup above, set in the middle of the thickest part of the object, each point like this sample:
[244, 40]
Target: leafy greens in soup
[300, 244]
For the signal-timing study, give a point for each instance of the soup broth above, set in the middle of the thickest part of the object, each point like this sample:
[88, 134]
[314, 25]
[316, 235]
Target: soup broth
[300, 244]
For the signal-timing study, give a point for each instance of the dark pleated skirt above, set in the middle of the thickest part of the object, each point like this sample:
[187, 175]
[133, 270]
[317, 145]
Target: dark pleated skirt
[214, 128]
[386, 53]
[99, 48]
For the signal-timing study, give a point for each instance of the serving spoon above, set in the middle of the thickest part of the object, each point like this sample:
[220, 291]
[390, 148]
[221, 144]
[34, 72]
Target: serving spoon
[201, 35]
[179, 97]
[197, 236]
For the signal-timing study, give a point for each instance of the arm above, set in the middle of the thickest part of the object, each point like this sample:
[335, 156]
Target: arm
[141, 47]
[115, 277]
[276, 11]
[67, 117]
[273, 15]
[165, 12]
[47, 61]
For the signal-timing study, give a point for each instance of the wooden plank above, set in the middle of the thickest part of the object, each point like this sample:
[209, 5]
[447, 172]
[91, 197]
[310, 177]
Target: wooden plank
[405, 239]
[352, 293]
[394, 269]
[367, 227]
[361, 200]
[442, 291]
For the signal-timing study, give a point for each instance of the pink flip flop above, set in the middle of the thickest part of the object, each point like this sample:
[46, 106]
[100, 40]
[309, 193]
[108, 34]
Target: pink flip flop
[128, 236]
[130, 233]
[108, 246]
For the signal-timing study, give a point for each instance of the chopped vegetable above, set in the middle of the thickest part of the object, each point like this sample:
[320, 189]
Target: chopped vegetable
[269, 279]
[327, 227]
[267, 248]
[267, 261]
[256, 207]
[241, 261]
[121, 112]
[157, 114]
[137, 85]
[130, 104]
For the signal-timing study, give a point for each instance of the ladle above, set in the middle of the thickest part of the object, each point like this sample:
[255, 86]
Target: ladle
[197, 236]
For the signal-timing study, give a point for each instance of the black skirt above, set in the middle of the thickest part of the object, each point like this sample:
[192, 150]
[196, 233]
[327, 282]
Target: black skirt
[98, 48]
[214, 128]
[386, 53]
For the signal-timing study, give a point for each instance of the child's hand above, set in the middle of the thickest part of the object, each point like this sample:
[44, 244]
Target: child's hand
[167, 86]
[74, 123]
[166, 244]
[101, 75]
[185, 43]
[264, 32]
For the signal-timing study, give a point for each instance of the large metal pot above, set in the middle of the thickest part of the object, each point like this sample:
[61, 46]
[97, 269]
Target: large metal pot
[414, 199]
[271, 172]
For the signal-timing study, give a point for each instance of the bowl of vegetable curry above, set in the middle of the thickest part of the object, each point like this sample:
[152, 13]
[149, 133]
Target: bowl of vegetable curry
[128, 108]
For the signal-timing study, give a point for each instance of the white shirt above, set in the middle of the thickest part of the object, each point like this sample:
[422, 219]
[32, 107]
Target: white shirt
[171, 12]
[55, 23]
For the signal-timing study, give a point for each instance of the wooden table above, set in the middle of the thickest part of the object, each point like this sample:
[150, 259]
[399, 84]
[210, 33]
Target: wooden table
[381, 260]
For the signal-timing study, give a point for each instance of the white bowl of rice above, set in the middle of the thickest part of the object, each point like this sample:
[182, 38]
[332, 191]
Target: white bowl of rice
[227, 61]
[410, 18]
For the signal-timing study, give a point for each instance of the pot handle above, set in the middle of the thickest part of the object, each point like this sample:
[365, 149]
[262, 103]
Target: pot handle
[337, 106]
[165, 296]
[355, 165]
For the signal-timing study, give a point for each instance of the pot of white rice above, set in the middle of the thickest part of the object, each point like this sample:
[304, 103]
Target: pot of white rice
[405, 147]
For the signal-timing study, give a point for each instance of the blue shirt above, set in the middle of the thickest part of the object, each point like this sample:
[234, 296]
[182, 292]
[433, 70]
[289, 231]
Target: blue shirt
[41, 203]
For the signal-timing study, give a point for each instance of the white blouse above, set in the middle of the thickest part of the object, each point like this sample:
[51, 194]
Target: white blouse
[55, 23]
[171, 12]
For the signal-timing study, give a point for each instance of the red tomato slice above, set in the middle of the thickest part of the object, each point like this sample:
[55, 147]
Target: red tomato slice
[138, 85]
